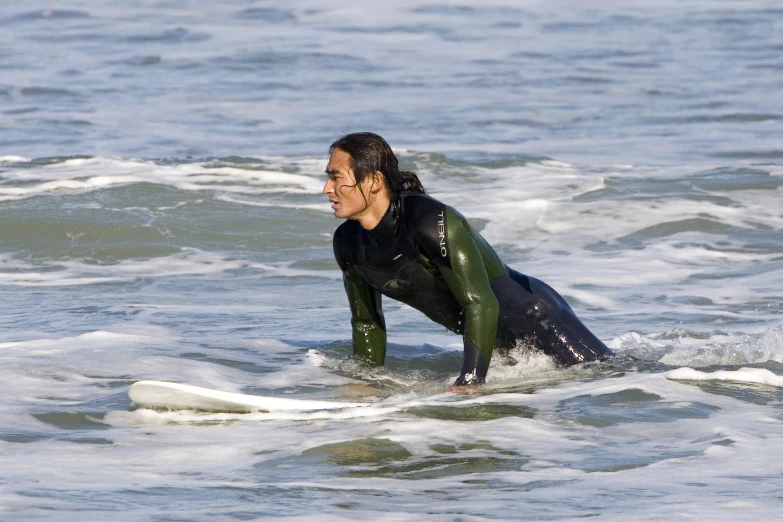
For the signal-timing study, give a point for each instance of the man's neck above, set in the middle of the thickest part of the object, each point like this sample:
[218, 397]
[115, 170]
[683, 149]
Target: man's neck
[374, 213]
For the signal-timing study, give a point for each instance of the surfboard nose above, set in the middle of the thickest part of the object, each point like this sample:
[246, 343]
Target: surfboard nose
[176, 396]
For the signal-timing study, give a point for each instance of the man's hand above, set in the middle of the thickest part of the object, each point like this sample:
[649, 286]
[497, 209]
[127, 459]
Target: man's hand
[463, 390]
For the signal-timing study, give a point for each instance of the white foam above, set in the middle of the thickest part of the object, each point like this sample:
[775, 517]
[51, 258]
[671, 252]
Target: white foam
[83, 175]
[529, 366]
[188, 262]
[14, 159]
[313, 371]
[33, 346]
[751, 375]
[321, 207]
[683, 349]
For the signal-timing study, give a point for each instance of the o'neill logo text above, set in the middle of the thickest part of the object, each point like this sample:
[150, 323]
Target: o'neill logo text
[442, 234]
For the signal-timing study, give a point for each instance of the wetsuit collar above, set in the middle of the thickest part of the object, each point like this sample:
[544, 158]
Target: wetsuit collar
[385, 227]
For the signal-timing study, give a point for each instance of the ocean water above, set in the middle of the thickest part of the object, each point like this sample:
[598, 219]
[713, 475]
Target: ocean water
[161, 217]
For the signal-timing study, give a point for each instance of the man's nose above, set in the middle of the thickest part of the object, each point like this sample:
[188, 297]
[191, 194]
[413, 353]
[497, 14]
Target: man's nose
[328, 187]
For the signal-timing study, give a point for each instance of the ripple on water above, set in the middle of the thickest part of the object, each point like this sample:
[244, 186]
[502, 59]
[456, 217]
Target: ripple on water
[266, 14]
[51, 14]
[176, 35]
[371, 458]
[47, 92]
[473, 413]
[628, 406]
[751, 154]
[746, 392]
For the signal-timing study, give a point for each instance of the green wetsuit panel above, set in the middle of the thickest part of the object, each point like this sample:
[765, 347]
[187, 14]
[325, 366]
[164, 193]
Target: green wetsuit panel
[367, 321]
[468, 279]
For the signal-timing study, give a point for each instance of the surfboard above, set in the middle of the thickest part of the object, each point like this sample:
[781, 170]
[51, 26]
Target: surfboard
[175, 396]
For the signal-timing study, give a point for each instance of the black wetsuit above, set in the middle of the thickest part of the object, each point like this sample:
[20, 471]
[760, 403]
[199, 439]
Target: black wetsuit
[431, 259]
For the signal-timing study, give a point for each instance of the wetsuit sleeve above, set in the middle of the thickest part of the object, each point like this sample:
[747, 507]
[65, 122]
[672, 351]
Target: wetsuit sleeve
[367, 322]
[467, 278]
[445, 237]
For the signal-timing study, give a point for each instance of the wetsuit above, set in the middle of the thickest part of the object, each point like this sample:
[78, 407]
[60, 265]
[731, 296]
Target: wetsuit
[433, 260]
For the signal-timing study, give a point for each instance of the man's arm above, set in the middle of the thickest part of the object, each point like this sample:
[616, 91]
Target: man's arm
[367, 322]
[368, 325]
[467, 278]
[445, 237]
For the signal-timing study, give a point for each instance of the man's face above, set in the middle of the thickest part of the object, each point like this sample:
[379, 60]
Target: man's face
[345, 196]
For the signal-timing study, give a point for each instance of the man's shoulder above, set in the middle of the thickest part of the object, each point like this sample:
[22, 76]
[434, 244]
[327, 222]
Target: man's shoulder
[420, 207]
[425, 219]
[421, 210]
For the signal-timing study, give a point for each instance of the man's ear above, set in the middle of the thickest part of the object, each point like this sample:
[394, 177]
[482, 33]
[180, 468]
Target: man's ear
[377, 182]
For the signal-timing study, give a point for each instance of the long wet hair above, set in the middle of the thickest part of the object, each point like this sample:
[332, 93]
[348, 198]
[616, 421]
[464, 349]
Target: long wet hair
[369, 154]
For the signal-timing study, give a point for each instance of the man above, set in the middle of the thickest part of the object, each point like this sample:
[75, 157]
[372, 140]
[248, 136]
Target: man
[399, 242]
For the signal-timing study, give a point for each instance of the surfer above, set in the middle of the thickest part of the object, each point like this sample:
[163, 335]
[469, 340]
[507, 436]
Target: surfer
[399, 242]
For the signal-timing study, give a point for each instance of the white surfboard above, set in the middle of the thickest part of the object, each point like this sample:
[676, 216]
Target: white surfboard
[174, 396]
